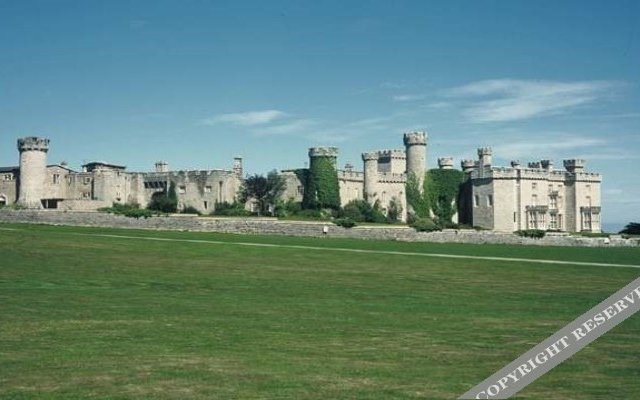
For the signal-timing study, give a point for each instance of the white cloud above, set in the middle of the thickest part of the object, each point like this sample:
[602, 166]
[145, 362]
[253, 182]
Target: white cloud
[298, 126]
[510, 99]
[408, 97]
[546, 147]
[249, 118]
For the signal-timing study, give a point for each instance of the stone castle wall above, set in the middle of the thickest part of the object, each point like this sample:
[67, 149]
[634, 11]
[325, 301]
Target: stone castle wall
[267, 226]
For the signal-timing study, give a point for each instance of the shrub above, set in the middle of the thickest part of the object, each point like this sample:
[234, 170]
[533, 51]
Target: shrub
[165, 201]
[531, 233]
[190, 210]
[362, 211]
[345, 222]
[227, 209]
[425, 225]
[131, 210]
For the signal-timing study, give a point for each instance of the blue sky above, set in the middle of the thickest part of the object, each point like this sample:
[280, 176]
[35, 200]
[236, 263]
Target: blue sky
[197, 82]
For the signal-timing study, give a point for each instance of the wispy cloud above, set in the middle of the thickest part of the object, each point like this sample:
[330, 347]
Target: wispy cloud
[408, 97]
[249, 118]
[546, 147]
[138, 23]
[501, 100]
[296, 126]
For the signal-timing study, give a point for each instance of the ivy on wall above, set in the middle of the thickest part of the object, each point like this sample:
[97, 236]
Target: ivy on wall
[417, 201]
[320, 183]
[442, 186]
[439, 196]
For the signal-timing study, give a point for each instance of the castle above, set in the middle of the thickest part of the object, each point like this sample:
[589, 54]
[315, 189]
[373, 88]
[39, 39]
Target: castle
[496, 198]
[36, 184]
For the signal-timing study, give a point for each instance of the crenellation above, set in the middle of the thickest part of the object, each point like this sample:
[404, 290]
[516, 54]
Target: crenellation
[501, 198]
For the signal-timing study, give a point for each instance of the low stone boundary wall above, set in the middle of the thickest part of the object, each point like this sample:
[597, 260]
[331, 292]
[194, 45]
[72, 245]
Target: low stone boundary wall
[270, 226]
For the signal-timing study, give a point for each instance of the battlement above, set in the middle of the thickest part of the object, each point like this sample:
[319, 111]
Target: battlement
[390, 177]
[323, 152]
[484, 151]
[161, 166]
[445, 162]
[395, 154]
[350, 175]
[415, 138]
[33, 143]
[515, 164]
[546, 164]
[574, 165]
[468, 165]
[370, 156]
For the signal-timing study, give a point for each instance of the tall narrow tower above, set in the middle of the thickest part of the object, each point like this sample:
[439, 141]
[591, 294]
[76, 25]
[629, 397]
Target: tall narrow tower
[416, 149]
[33, 169]
[370, 175]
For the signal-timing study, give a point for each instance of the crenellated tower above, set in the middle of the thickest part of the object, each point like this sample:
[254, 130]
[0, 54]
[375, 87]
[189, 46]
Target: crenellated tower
[416, 150]
[370, 160]
[33, 169]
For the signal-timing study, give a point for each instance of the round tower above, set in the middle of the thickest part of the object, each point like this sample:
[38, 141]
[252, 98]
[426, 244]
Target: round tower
[370, 175]
[33, 170]
[468, 165]
[327, 152]
[416, 149]
[445, 162]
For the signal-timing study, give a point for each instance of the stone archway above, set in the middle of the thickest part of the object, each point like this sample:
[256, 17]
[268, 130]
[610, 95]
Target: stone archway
[3, 200]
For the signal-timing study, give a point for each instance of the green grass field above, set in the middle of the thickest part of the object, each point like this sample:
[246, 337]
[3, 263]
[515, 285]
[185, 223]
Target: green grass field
[87, 316]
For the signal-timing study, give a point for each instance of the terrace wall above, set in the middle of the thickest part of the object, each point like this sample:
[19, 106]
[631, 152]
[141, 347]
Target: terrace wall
[270, 226]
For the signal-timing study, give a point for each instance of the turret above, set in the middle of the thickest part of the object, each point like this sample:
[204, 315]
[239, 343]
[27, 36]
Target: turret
[515, 164]
[574, 165]
[370, 175]
[416, 152]
[328, 152]
[547, 164]
[484, 157]
[445, 163]
[468, 166]
[33, 170]
[237, 166]
[162, 166]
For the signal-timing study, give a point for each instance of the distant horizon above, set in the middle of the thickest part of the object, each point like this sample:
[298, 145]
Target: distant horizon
[198, 83]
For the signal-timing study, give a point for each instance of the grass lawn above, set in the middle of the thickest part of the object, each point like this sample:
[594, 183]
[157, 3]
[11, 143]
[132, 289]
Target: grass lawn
[85, 316]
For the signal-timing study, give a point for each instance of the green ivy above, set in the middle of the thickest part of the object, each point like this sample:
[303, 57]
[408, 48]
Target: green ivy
[439, 196]
[442, 187]
[321, 189]
[416, 198]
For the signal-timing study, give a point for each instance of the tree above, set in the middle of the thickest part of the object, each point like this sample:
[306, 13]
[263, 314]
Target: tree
[265, 190]
[632, 228]
[165, 201]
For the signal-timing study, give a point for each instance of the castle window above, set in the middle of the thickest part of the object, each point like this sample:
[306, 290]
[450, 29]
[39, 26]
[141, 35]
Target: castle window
[56, 179]
[87, 180]
[553, 221]
[553, 202]
[206, 205]
[534, 185]
[476, 200]
[8, 177]
[534, 200]
[86, 195]
[207, 189]
[490, 200]
[182, 189]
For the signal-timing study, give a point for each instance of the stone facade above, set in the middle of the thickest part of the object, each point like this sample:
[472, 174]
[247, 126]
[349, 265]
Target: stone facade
[533, 197]
[496, 198]
[34, 184]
